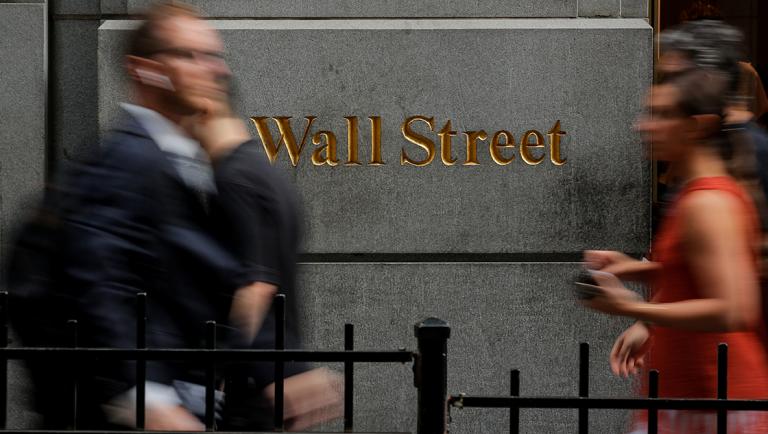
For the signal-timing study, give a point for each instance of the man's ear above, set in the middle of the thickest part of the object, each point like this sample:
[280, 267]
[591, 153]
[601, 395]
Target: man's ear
[706, 125]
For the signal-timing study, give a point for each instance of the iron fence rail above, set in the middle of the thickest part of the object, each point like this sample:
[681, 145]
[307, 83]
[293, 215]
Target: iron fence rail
[207, 355]
[212, 357]
[583, 402]
[430, 376]
[576, 402]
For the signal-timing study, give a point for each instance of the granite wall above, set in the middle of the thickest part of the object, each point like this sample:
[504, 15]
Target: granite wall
[488, 247]
[23, 136]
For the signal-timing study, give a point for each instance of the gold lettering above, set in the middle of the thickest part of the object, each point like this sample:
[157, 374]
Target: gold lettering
[554, 144]
[375, 141]
[352, 134]
[525, 145]
[472, 138]
[445, 135]
[418, 140]
[496, 147]
[329, 149]
[286, 136]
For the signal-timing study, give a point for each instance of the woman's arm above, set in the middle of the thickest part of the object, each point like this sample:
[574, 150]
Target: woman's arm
[719, 253]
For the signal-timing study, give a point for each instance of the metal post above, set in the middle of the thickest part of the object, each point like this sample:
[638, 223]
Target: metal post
[722, 386]
[349, 372]
[141, 365]
[431, 375]
[210, 378]
[279, 306]
[3, 361]
[74, 370]
[653, 392]
[583, 386]
[514, 412]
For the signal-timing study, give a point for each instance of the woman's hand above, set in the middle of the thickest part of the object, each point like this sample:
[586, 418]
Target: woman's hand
[605, 260]
[619, 264]
[611, 295]
[628, 353]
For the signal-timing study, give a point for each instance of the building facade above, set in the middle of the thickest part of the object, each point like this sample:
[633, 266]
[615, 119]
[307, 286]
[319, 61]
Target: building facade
[454, 158]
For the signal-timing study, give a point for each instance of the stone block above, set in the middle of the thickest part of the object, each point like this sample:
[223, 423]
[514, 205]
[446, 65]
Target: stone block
[515, 75]
[376, 9]
[634, 8]
[76, 7]
[75, 90]
[22, 146]
[599, 8]
[503, 316]
[22, 115]
[115, 7]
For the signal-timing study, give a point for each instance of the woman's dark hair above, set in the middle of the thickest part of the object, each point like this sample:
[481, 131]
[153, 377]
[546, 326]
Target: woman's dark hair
[700, 92]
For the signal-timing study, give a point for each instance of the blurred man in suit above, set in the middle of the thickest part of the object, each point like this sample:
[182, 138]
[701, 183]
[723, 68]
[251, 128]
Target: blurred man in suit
[142, 224]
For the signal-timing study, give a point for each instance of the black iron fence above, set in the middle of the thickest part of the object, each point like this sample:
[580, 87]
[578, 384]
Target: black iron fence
[429, 365]
[583, 402]
[430, 376]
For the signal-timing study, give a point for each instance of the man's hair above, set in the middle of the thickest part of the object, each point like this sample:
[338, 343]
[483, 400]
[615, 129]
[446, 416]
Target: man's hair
[709, 44]
[145, 41]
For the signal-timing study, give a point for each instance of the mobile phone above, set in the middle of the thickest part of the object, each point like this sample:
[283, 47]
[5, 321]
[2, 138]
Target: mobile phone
[585, 286]
[155, 79]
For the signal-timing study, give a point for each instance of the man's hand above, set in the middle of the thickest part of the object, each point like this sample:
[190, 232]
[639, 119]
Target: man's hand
[311, 398]
[171, 418]
[249, 307]
[218, 130]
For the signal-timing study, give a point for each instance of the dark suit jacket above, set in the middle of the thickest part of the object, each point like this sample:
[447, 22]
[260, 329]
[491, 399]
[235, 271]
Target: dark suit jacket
[138, 228]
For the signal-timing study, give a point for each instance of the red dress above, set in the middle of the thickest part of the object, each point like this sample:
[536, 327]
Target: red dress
[687, 360]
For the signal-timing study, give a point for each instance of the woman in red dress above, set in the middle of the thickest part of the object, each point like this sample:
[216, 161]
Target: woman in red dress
[704, 274]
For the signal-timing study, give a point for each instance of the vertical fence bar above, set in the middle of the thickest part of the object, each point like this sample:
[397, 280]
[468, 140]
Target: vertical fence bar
[514, 412]
[279, 306]
[349, 372]
[583, 386]
[210, 377]
[3, 361]
[431, 375]
[74, 370]
[722, 386]
[653, 392]
[141, 365]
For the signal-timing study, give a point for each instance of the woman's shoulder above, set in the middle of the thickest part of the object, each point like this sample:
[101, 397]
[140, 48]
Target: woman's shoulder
[716, 211]
[709, 201]
[714, 194]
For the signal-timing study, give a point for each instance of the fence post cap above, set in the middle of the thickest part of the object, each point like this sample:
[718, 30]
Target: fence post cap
[432, 328]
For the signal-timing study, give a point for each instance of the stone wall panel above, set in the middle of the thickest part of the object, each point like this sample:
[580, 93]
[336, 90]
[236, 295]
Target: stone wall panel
[515, 75]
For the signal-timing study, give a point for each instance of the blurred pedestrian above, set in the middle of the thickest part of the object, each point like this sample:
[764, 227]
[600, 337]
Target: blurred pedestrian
[256, 211]
[704, 275]
[138, 221]
[714, 44]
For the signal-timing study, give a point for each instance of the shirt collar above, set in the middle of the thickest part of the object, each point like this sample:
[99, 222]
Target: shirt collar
[166, 134]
